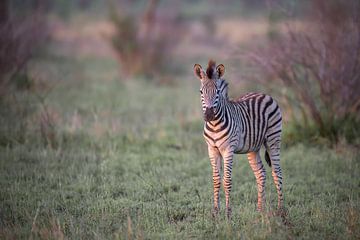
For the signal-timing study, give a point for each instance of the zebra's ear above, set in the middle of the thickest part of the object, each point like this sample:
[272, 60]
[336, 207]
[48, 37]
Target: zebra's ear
[220, 70]
[199, 72]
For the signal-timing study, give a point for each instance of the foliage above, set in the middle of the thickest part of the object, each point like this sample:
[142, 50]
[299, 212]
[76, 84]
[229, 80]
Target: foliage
[20, 39]
[319, 62]
[144, 44]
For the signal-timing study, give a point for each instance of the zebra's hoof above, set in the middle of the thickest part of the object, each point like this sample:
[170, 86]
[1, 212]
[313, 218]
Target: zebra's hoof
[282, 212]
[215, 212]
[228, 213]
[260, 210]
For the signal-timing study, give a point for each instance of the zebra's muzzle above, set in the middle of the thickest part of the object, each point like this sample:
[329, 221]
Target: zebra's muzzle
[209, 114]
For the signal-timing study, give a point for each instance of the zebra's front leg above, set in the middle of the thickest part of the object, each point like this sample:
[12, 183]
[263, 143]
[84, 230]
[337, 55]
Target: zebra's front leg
[215, 160]
[228, 161]
[260, 175]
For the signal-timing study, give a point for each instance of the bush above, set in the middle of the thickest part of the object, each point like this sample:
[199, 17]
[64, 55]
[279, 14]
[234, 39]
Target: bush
[143, 47]
[20, 38]
[318, 63]
[23, 31]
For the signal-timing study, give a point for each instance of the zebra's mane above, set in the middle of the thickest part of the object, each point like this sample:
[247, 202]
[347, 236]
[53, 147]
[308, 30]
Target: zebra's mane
[221, 84]
[210, 69]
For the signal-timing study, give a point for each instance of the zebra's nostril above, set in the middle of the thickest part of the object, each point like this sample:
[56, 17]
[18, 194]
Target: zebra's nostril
[209, 110]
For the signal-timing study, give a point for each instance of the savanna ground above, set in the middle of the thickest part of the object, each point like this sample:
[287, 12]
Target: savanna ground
[87, 155]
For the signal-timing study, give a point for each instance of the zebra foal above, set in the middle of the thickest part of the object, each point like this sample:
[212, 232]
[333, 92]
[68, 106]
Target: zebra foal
[239, 126]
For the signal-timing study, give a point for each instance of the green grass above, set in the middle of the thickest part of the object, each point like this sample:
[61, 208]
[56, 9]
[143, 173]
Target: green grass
[127, 160]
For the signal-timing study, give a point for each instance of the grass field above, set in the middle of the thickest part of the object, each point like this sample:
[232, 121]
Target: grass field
[85, 154]
[93, 157]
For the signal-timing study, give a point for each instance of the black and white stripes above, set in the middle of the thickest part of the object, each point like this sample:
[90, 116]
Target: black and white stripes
[239, 126]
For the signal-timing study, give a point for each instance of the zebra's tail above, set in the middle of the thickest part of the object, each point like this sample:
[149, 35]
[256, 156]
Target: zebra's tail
[267, 158]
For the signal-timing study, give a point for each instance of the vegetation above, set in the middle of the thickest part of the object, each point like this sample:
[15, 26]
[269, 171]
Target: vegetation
[86, 155]
[318, 69]
[20, 39]
[144, 44]
[131, 164]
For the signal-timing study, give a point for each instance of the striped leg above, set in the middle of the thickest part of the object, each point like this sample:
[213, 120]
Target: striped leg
[260, 175]
[215, 160]
[273, 148]
[228, 161]
[277, 175]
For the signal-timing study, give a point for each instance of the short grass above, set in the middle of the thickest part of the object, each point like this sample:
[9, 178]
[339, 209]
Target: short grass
[103, 158]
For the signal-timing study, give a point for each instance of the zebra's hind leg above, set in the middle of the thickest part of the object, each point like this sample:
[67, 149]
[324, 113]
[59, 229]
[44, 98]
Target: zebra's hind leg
[260, 175]
[273, 148]
[215, 160]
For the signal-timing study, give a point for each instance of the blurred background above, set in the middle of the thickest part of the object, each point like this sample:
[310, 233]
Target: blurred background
[96, 94]
[304, 53]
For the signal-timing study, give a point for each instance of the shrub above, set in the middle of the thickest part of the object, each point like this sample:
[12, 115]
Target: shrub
[319, 64]
[20, 37]
[144, 44]
[23, 31]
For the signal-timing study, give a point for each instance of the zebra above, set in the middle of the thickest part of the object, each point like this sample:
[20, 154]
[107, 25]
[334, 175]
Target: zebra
[239, 126]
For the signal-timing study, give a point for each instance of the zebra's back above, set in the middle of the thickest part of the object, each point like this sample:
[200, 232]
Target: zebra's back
[260, 120]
